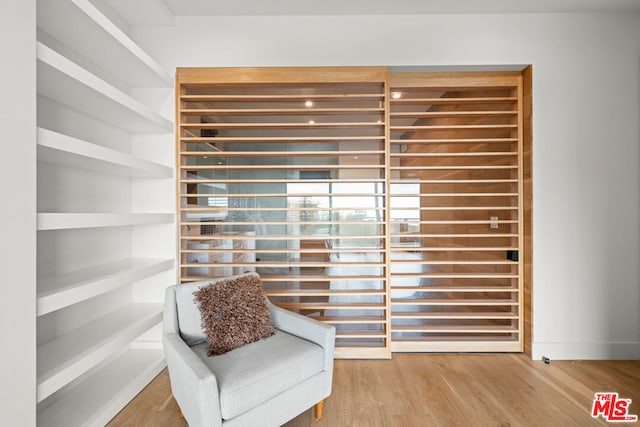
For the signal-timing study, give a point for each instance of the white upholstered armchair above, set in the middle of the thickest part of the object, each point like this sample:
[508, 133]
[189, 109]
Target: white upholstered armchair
[265, 383]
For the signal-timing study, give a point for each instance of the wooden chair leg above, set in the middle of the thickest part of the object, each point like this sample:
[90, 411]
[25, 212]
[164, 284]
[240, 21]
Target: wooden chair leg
[319, 409]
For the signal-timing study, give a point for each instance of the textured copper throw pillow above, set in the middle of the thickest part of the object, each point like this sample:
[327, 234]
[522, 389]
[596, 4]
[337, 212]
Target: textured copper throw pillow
[234, 313]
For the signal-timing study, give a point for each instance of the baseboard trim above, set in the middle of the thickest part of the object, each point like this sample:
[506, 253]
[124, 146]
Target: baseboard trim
[586, 350]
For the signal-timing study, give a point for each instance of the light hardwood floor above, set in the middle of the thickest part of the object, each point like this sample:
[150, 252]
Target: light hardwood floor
[440, 390]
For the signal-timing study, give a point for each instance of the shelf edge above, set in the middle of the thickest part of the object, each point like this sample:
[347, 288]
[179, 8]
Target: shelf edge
[61, 221]
[67, 145]
[82, 290]
[73, 71]
[121, 37]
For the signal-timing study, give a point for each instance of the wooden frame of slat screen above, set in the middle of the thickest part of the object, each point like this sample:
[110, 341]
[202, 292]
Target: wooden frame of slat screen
[283, 171]
[364, 198]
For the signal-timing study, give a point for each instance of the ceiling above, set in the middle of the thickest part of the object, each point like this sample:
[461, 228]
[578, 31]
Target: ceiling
[162, 12]
[384, 7]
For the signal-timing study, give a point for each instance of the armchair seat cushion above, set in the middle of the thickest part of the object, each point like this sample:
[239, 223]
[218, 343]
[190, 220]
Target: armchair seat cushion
[246, 380]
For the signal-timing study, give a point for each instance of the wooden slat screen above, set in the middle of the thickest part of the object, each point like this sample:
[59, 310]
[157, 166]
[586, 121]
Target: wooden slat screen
[456, 215]
[387, 204]
[284, 172]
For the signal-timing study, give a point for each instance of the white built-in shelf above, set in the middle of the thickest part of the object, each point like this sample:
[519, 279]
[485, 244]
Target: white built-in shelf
[66, 82]
[101, 41]
[63, 221]
[56, 292]
[54, 147]
[65, 358]
[101, 396]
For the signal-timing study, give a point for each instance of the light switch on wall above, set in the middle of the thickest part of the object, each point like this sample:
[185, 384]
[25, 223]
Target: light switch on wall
[494, 222]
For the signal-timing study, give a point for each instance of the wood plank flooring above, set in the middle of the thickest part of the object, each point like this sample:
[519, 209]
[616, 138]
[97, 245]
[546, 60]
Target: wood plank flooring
[440, 390]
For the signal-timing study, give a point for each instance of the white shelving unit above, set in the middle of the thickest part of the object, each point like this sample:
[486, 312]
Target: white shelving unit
[68, 83]
[66, 358]
[94, 319]
[102, 41]
[60, 291]
[97, 399]
[62, 221]
[65, 150]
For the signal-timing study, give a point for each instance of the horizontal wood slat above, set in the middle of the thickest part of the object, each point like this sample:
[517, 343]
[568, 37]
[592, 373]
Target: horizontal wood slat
[456, 101]
[320, 278]
[455, 275]
[279, 139]
[471, 329]
[288, 251]
[275, 97]
[453, 127]
[278, 181]
[285, 195]
[480, 315]
[321, 292]
[213, 209]
[453, 140]
[337, 320]
[440, 114]
[280, 153]
[275, 111]
[280, 237]
[455, 288]
[331, 306]
[452, 167]
[453, 301]
[291, 167]
[279, 125]
[288, 264]
[465, 154]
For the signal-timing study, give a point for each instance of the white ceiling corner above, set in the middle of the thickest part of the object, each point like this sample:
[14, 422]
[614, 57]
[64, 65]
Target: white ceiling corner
[163, 12]
[395, 7]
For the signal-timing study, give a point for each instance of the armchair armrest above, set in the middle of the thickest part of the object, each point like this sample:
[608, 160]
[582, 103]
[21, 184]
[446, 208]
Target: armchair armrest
[188, 373]
[309, 329]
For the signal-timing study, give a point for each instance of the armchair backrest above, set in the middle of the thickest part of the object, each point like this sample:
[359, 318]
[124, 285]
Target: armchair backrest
[187, 314]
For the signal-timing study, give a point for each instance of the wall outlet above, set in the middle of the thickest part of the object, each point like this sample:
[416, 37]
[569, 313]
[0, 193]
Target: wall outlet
[494, 222]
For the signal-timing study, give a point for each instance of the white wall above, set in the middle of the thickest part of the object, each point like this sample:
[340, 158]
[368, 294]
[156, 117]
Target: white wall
[586, 136]
[18, 214]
